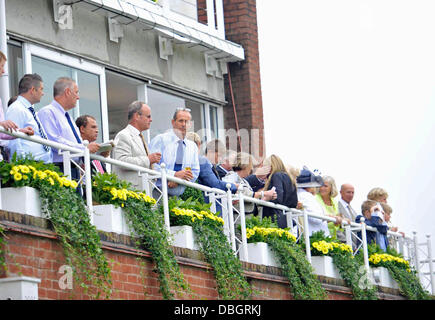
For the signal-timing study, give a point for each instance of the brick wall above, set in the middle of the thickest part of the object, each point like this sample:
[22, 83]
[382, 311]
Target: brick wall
[34, 251]
[241, 27]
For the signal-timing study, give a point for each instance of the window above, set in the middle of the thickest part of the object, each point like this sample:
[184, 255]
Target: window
[15, 65]
[90, 79]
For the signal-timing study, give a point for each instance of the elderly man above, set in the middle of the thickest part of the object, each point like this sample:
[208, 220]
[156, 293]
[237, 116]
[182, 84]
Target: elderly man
[22, 113]
[179, 154]
[58, 124]
[347, 192]
[130, 144]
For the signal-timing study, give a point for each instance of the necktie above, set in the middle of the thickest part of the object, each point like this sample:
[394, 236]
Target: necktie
[146, 147]
[72, 127]
[98, 166]
[41, 132]
[350, 211]
[179, 156]
[215, 171]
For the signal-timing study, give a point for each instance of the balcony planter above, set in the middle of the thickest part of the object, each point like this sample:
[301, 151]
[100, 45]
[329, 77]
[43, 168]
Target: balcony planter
[382, 277]
[184, 237]
[260, 253]
[24, 200]
[324, 266]
[109, 218]
[19, 288]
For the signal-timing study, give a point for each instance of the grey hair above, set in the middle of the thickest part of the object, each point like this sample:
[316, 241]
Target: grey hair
[61, 84]
[178, 110]
[133, 108]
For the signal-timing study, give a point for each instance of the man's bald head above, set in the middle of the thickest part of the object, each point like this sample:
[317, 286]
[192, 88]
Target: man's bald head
[347, 191]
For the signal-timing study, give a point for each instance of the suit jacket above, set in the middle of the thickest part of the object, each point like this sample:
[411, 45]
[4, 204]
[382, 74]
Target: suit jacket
[342, 210]
[130, 148]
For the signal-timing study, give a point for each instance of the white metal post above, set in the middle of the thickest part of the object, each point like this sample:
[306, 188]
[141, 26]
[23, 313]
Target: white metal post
[66, 155]
[212, 200]
[364, 245]
[417, 260]
[230, 217]
[348, 233]
[307, 237]
[244, 250]
[88, 184]
[430, 261]
[165, 197]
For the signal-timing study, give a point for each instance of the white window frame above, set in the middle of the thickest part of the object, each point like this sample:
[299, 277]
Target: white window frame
[30, 50]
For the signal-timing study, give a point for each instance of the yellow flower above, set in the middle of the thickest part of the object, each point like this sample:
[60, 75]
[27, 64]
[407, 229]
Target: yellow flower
[18, 176]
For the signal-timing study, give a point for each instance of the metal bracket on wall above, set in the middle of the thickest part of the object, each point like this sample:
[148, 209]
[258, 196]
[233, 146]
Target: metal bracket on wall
[165, 47]
[63, 14]
[115, 29]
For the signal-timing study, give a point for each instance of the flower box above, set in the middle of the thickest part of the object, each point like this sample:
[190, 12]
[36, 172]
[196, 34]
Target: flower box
[109, 218]
[184, 237]
[19, 288]
[324, 266]
[260, 253]
[382, 277]
[24, 200]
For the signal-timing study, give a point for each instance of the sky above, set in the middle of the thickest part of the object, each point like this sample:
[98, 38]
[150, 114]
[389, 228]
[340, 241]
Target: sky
[348, 88]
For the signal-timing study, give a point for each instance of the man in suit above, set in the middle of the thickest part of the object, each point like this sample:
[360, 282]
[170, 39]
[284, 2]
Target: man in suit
[88, 128]
[130, 144]
[345, 210]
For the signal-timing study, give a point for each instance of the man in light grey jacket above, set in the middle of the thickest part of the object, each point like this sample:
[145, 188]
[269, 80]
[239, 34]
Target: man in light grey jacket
[130, 144]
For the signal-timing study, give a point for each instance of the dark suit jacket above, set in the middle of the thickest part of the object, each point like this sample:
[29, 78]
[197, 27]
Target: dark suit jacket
[286, 195]
[255, 183]
[375, 222]
[208, 177]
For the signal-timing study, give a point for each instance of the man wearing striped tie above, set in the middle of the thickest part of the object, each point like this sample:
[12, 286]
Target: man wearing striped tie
[88, 128]
[22, 113]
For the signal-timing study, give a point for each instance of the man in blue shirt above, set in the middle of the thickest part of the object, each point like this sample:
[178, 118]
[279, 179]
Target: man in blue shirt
[179, 154]
[58, 124]
[22, 113]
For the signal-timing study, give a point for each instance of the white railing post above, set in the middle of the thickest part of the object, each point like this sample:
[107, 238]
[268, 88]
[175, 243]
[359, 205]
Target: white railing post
[66, 155]
[348, 234]
[244, 250]
[165, 197]
[212, 200]
[88, 184]
[231, 217]
[364, 245]
[416, 257]
[430, 261]
[307, 237]
[145, 184]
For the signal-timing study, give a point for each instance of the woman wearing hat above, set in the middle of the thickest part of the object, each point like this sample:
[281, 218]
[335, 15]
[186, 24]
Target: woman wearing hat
[307, 182]
[279, 179]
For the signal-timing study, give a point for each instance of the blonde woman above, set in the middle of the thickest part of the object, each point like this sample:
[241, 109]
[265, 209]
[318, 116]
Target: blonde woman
[378, 195]
[285, 187]
[240, 170]
[326, 198]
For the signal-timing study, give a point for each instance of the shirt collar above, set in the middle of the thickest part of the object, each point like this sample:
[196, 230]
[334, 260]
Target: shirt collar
[58, 106]
[134, 129]
[24, 101]
[176, 138]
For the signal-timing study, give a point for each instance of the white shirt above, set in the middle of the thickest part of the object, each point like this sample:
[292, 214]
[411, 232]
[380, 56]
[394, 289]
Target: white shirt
[311, 205]
[167, 144]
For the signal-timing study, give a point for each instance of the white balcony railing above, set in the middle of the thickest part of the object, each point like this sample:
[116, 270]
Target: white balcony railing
[408, 247]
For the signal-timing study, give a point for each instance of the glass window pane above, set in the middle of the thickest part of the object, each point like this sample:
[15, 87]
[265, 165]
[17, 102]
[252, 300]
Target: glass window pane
[16, 71]
[88, 83]
[90, 102]
[163, 106]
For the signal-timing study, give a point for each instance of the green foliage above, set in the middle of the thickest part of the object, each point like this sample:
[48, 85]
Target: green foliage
[3, 242]
[69, 217]
[303, 282]
[148, 224]
[351, 270]
[399, 269]
[213, 243]
[192, 193]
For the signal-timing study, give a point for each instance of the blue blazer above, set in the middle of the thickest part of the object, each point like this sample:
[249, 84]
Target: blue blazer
[208, 177]
[379, 237]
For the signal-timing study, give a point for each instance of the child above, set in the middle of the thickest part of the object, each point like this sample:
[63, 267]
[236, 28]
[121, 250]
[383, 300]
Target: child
[372, 215]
